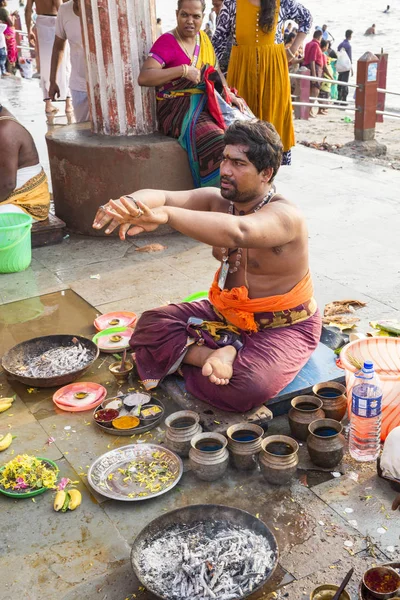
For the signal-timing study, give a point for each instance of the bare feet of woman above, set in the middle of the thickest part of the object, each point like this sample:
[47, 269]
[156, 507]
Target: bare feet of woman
[219, 365]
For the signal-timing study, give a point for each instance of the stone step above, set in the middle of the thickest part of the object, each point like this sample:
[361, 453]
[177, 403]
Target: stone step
[48, 232]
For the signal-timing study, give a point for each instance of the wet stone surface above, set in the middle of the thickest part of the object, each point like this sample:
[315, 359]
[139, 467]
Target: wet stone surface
[86, 553]
[49, 556]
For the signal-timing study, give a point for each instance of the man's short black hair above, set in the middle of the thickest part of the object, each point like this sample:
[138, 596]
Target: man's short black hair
[324, 44]
[348, 34]
[262, 140]
[317, 34]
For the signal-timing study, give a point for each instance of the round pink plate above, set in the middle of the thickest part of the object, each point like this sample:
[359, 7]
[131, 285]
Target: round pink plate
[119, 318]
[66, 397]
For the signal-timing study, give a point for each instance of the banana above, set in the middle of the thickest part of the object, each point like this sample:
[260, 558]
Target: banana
[59, 500]
[66, 502]
[7, 400]
[4, 407]
[5, 441]
[75, 499]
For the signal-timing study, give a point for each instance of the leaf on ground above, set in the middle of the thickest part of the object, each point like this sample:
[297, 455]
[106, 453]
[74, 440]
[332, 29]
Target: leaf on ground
[151, 248]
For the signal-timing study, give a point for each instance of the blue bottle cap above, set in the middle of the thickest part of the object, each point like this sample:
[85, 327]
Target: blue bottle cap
[368, 365]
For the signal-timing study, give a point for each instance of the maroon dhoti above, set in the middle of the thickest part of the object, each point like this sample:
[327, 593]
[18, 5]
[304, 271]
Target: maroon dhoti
[267, 360]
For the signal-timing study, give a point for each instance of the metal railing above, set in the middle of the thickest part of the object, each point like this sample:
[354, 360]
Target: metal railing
[380, 91]
[325, 106]
[328, 103]
[388, 114]
[322, 80]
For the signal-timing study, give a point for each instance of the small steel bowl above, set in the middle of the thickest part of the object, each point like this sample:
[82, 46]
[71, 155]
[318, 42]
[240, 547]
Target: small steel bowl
[382, 571]
[327, 592]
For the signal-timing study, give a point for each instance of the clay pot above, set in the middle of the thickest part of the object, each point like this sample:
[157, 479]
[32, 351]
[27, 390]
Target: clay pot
[305, 410]
[244, 444]
[209, 456]
[334, 399]
[181, 427]
[326, 443]
[121, 376]
[278, 459]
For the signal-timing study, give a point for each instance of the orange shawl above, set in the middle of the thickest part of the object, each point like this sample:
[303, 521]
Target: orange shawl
[237, 308]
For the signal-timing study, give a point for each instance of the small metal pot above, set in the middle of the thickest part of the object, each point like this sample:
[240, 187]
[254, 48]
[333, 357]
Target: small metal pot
[244, 444]
[382, 571]
[209, 456]
[326, 450]
[121, 376]
[327, 592]
[334, 407]
[181, 427]
[300, 418]
[279, 469]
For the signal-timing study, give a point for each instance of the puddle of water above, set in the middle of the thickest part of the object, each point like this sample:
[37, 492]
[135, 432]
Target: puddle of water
[57, 313]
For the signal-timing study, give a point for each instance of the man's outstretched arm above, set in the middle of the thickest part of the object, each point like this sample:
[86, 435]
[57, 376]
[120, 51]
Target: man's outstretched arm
[273, 226]
[199, 199]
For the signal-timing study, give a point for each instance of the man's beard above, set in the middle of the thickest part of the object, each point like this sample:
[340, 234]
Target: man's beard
[234, 195]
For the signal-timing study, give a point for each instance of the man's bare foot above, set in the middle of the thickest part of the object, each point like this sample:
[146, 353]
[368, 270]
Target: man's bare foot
[68, 106]
[50, 108]
[219, 365]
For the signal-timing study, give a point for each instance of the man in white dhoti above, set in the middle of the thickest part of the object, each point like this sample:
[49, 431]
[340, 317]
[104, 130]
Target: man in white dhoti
[68, 29]
[46, 11]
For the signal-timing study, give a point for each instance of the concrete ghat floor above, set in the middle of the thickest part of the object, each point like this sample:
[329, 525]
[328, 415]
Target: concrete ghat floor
[353, 216]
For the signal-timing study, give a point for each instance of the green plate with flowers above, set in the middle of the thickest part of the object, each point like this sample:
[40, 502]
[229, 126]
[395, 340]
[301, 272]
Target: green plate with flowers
[28, 476]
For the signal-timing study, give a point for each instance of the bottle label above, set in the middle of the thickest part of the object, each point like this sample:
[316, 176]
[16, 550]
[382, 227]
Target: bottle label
[366, 407]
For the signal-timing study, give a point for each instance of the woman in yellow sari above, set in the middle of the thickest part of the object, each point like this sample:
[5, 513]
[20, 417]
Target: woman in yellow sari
[258, 66]
[176, 66]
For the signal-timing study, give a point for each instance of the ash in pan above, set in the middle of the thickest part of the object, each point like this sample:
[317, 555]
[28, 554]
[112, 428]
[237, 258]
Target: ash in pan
[56, 361]
[206, 561]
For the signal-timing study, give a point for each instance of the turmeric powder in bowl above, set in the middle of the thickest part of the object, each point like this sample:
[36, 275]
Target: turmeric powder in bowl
[125, 422]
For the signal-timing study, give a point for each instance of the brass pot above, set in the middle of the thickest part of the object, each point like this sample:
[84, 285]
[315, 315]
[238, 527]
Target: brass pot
[326, 443]
[244, 444]
[334, 405]
[305, 410]
[121, 376]
[181, 427]
[327, 592]
[209, 456]
[279, 468]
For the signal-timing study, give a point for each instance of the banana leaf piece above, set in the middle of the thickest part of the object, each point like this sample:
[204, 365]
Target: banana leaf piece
[392, 327]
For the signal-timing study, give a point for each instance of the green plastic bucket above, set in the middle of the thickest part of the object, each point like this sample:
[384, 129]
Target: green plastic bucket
[15, 242]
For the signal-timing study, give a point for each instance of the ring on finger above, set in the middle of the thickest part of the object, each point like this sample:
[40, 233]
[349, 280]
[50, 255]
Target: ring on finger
[103, 206]
[140, 213]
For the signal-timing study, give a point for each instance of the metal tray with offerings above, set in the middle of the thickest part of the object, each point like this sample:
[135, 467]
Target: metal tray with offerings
[129, 414]
[135, 472]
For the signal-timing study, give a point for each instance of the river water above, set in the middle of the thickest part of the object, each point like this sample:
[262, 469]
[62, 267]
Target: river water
[340, 15]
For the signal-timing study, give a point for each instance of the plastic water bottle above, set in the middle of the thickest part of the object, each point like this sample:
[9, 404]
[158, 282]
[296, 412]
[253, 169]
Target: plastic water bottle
[366, 415]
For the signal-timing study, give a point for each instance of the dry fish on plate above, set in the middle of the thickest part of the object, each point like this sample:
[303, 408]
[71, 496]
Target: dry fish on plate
[135, 472]
[206, 561]
[56, 361]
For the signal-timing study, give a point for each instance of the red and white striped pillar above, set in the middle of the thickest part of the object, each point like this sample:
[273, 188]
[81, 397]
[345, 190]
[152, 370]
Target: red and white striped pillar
[117, 35]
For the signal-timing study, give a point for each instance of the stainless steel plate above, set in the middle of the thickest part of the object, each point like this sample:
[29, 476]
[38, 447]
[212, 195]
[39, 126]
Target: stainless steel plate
[108, 475]
[147, 425]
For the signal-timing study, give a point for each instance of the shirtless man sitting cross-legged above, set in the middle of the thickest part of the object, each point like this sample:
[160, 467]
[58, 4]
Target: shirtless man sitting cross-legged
[260, 325]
